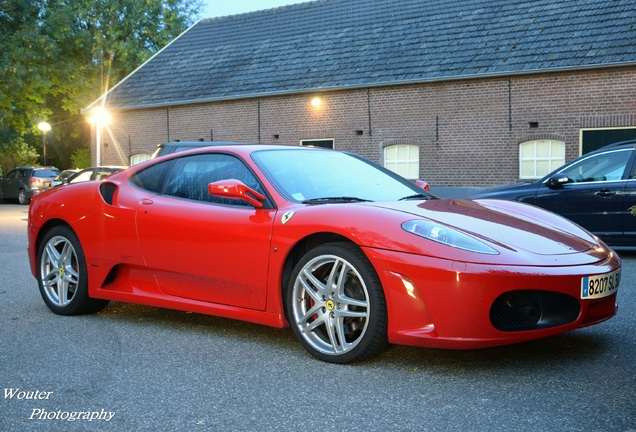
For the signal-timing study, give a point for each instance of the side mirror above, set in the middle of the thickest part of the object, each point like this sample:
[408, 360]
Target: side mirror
[557, 180]
[235, 189]
[422, 184]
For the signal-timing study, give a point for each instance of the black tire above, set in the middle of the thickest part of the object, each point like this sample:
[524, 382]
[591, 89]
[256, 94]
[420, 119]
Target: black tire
[22, 197]
[62, 276]
[335, 304]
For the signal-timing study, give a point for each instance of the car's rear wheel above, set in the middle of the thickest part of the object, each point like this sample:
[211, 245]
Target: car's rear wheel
[62, 276]
[336, 306]
[22, 197]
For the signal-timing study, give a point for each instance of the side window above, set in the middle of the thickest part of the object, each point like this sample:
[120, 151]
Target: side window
[601, 167]
[403, 159]
[152, 178]
[190, 176]
[85, 176]
[540, 157]
[13, 174]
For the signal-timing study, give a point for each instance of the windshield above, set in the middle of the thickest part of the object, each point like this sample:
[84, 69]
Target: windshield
[303, 175]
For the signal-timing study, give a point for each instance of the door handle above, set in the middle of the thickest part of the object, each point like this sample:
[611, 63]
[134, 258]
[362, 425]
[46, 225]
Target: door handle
[605, 193]
[146, 201]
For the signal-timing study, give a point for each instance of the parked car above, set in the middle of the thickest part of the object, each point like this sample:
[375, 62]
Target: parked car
[22, 183]
[349, 254]
[63, 176]
[93, 173]
[173, 147]
[596, 190]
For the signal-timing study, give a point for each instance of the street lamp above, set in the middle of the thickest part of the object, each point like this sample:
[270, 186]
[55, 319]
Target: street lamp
[99, 117]
[44, 127]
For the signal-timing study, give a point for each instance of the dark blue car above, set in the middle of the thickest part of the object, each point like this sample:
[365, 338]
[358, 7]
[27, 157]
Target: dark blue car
[596, 190]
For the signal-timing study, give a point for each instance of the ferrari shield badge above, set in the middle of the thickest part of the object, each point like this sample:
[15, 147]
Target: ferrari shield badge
[287, 216]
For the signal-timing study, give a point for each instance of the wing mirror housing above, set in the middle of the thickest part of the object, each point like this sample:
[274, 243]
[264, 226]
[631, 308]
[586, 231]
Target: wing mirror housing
[235, 189]
[557, 180]
[423, 185]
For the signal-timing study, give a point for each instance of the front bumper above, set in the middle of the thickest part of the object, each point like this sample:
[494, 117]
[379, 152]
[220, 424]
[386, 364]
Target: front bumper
[439, 303]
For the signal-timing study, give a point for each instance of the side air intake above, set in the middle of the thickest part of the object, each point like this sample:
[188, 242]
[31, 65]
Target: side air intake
[107, 191]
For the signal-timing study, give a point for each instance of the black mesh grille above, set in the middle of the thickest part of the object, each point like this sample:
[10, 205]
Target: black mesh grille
[532, 310]
[515, 310]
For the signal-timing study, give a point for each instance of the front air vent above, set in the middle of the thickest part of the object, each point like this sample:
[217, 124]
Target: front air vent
[107, 191]
[533, 310]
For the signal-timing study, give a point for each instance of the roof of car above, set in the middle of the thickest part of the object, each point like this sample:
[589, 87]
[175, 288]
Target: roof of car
[36, 167]
[627, 143]
[198, 143]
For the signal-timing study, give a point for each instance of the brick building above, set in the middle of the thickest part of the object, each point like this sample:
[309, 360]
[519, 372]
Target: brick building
[462, 94]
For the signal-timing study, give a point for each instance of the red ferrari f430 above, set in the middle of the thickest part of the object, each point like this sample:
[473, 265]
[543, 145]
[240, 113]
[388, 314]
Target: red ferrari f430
[347, 253]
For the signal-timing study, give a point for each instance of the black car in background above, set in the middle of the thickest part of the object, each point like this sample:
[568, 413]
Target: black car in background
[596, 190]
[173, 147]
[22, 183]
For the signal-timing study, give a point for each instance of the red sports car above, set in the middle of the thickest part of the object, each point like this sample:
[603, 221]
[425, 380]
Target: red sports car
[352, 256]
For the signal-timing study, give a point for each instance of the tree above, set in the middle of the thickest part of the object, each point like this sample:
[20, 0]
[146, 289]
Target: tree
[58, 56]
[17, 153]
[81, 158]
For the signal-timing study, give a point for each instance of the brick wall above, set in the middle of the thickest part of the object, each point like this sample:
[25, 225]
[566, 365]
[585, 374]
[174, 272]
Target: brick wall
[468, 130]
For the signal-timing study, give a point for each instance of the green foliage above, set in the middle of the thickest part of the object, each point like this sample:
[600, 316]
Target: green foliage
[81, 158]
[58, 56]
[17, 153]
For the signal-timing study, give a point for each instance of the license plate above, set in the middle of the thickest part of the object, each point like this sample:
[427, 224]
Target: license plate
[599, 286]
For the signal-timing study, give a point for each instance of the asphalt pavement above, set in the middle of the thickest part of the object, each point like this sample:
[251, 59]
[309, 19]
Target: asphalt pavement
[137, 368]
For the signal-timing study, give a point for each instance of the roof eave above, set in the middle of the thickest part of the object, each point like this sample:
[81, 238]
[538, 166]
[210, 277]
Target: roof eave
[360, 86]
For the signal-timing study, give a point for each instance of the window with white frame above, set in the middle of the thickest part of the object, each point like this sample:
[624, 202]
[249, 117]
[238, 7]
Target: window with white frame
[138, 158]
[540, 157]
[403, 159]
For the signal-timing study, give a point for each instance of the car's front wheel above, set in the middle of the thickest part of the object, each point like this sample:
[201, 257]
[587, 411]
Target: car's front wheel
[336, 305]
[62, 276]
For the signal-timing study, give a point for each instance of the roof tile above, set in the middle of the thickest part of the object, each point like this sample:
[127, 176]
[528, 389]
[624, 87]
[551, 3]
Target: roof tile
[330, 44]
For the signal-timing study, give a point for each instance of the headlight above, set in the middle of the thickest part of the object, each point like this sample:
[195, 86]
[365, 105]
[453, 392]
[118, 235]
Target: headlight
[448, 236]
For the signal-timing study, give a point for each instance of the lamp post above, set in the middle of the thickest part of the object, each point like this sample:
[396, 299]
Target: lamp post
[99, 117]
[44, 127]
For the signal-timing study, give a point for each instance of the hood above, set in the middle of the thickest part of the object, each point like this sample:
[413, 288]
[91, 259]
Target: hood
[508, 192]
[509, 226]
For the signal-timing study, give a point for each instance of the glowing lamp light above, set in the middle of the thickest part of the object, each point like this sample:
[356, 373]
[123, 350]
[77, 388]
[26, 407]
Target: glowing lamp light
[316, 102]
[99, 115]
[44, 127]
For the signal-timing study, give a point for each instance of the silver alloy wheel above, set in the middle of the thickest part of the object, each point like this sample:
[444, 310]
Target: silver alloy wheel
[59, 271]
[331, 305]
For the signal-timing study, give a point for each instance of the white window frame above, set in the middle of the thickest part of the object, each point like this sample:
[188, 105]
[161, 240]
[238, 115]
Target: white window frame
[139, 158]
[554, 158]
[412, 160]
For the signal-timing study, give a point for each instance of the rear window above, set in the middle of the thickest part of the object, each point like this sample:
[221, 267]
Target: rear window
[45, 173]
